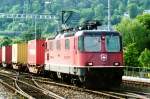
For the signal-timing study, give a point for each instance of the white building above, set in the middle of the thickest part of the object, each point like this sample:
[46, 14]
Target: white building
[126, 14]
[146, 11]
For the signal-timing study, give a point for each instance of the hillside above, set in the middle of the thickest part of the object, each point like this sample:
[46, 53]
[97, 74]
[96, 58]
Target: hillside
[85, 9]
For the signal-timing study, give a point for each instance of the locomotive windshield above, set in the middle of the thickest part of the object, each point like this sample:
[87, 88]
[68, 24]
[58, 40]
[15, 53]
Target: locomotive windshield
[90, 43]
[112, 43]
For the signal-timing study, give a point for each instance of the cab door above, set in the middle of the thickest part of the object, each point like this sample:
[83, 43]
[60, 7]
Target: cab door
[75, 50]
[78, 48]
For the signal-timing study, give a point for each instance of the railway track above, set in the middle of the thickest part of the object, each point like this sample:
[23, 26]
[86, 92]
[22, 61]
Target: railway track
[124, 94]
[136, 90]
[9, 81]
[69, 91]
[27, 90]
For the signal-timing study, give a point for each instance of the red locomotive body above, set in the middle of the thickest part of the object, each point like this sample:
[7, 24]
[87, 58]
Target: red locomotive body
[91, 57]
[36, 55]
[6, 56]
[0, 56]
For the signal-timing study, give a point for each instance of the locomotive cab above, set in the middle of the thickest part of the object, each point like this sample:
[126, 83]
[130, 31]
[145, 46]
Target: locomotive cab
[102, 43]
[101, 57]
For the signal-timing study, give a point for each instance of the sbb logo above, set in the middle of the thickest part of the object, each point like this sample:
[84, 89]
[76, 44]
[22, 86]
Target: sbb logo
[103, 57]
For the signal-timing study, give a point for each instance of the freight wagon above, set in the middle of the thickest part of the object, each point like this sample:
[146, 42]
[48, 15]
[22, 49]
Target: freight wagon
[36, 55]
[19, 56]
[7, 56]
[0, 56]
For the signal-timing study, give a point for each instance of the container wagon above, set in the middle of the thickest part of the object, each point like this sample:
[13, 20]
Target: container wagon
[36, 55]
[0, 56]
[7, 56]
[19, 56]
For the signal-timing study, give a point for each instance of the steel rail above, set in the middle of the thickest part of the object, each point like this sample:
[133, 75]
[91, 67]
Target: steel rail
[13, 88]
[137, 94]
[128, 95]
[47, 91]
[21, 91]
[33, 87]
[125, 94]
[30, 97]
[81, 89]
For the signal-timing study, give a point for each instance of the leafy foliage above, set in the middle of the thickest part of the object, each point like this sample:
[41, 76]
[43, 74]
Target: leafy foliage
[131, 55]
[133, 10]
[31, 34]
[136, 37]
[134, 32]
[5, 41]
[88, 9]
[145, 20]
[144, 58]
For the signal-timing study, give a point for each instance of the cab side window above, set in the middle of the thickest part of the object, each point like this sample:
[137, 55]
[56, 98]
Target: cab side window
[51, 45]
[80, 43]
[58, 46]
[67, 44]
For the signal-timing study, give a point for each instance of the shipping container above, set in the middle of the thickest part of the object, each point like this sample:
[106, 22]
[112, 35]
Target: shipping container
[19, 55]
[36, 55]
[0, 55]
[7, 55]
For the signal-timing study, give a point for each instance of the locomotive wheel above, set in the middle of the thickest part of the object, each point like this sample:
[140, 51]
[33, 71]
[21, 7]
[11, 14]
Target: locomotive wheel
[4, 65]
[26, 69]
[118, 81]
[66, 78]
[74, 81]
[59, 75]
[53, 75]
[46, 73]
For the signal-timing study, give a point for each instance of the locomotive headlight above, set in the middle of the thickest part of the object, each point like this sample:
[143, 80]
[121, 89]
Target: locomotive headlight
[90, 64]
[103, 37]
[116, 63]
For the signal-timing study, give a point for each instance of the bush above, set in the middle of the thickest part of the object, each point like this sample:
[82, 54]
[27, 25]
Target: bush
[144, 58]
[131, 55]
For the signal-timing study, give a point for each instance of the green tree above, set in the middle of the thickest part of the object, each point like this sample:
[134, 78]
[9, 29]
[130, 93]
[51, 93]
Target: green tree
[17, 40]
[122, 8]
[133, 32]
[99, 11]
[116, 19]
[131, 55]
[146, 4]
[144, 58]
[88, 9]
[133, 10]
[6, 41]
[28, 35]
[87, 13]
[145, 20]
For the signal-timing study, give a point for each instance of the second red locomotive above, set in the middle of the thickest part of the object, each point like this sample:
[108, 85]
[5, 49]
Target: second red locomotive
[92, 57]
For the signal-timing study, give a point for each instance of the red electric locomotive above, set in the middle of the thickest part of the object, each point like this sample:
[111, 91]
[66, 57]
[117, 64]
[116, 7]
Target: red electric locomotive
[92, 57]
